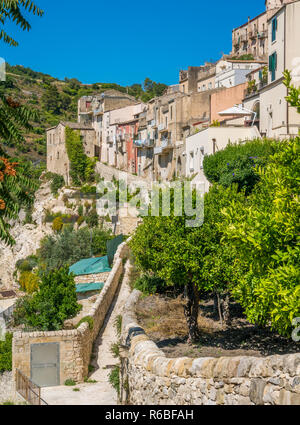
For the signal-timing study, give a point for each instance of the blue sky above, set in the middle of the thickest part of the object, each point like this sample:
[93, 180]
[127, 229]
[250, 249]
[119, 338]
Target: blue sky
[125, 42]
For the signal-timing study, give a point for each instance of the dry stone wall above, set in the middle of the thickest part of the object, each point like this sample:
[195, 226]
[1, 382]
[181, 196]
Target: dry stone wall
[75, 345]
[152, 378]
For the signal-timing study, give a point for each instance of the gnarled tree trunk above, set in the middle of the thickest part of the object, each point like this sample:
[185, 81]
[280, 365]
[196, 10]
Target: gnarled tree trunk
[191, 310]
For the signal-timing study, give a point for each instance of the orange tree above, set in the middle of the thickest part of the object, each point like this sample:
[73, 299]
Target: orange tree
[14, 186]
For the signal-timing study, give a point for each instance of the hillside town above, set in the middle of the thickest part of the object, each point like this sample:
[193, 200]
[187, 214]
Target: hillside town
[122, 283]
[240, 97]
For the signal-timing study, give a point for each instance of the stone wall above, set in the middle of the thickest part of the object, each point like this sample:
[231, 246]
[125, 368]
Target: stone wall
[108, 173]
[90, 278]
[152, 378]
[7, 389]
[75, 345]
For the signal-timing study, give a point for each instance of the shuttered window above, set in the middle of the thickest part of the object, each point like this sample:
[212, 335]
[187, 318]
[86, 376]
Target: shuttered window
[273, 65]
[274, 28]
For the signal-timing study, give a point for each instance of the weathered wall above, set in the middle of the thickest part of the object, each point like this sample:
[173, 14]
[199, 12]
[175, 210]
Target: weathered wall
[75, 345]
[224, 99]
[7, 389]
[154, 379]
[90, 278]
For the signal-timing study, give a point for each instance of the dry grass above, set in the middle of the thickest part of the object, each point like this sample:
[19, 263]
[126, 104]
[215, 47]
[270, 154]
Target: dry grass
[164, 317]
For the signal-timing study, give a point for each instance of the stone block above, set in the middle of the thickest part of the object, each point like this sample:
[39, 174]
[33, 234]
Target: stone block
[256, 393]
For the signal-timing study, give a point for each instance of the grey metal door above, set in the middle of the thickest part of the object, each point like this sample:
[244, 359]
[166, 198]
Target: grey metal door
[45, 364]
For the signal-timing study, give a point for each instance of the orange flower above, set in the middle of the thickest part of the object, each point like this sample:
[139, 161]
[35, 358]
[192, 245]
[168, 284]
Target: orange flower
[9, 168]
[2, 205]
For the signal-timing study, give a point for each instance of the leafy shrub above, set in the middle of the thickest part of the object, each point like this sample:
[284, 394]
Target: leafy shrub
[150, 284]
[6, 353]
[57, 224]
[70, 246]
[28, 264]
[92, 219]
[89, 189]
[29, 282]
[70, 383]
[80, 220]
[263, 234]
[86, 319]
[57, 182]
[81, 167]
[54, 303]
[80, 210]
[238, 163]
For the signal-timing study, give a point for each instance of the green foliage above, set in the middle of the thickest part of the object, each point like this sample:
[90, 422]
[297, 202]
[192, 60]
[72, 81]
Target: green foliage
[51, 99]
[57, 182]
[115, 350]
[87, 319]
[150, 284]
[263, 235]
[29, 281]
[238, 163]
[118, 324]
[293, 97]
[54, 303]
[16, 191]
[92, 219]
[70, 246]
[6, 353]
[57, 224]
[81, 167]
[70, 383]
[13, 10]
[28, 264]
[114, 378]
[215, 123]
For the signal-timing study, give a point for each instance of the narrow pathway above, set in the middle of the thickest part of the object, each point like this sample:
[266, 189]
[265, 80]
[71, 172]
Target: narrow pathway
[101, 392]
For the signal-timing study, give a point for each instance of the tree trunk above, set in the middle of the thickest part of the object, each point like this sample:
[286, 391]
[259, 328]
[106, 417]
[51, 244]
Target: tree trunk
[226, 310]
[219, 309]
[191, 310]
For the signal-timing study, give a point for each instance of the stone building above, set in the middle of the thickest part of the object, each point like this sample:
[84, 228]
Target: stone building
[57, 157]
[266, 93]
[252, 36]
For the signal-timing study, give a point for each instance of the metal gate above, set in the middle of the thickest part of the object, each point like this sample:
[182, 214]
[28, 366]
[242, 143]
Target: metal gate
[45, 368]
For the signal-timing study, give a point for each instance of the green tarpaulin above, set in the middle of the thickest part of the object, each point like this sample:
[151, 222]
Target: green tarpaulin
[112, 247]
[87, 287]
[91, 266]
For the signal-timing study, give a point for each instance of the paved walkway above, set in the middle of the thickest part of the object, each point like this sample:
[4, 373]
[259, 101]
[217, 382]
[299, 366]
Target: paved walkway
[100, 393]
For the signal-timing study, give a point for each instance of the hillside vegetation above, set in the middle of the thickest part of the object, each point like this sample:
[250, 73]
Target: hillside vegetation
[56, 100]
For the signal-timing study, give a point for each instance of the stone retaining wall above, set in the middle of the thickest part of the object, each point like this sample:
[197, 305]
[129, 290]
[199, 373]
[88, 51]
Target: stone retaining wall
[75, 345]
[149, 377]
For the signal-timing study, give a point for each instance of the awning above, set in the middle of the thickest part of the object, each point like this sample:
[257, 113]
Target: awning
[236, 110]
[87, 287]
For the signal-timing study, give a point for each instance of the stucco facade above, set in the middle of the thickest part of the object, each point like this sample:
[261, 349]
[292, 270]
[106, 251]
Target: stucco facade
[209, 141]
[226, 98]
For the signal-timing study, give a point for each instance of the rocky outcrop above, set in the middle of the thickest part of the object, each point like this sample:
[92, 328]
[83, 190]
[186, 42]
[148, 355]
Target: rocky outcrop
[28, 236]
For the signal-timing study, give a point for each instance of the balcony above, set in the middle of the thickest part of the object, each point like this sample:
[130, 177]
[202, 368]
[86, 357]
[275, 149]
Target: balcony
[98, 111]
[143, 143]
[262, 34]
[165, 147]
[162, 127]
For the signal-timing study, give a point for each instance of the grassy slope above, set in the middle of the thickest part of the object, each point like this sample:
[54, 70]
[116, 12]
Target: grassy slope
[29, 87]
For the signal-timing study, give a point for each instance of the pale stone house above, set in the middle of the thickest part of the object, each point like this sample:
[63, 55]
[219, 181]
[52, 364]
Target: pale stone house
[252, 36]
[57, 157]
[231, 73]
[209, 141]
[277, 118]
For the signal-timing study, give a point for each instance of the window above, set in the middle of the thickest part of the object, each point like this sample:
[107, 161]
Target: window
[273, 65]
[57, 155]
[274, 29]
[171, 112]
[209, 86]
